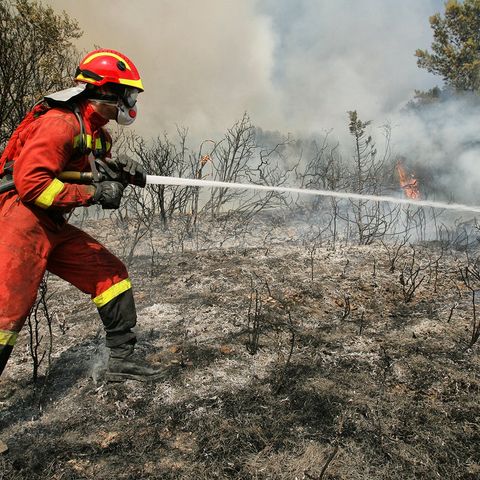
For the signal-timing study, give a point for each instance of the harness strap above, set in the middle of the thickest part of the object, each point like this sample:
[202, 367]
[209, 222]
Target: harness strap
[84, 149]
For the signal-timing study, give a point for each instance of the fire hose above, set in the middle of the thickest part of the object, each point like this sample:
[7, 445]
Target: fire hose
[102, 171]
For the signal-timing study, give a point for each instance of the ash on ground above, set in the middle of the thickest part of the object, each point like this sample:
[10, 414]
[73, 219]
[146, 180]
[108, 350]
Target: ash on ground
[284, 358]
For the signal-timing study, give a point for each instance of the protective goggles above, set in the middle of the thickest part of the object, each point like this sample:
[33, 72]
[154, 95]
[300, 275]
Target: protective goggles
[128, 95]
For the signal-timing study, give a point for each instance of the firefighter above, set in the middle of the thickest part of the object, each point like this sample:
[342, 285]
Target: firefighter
[63, 133]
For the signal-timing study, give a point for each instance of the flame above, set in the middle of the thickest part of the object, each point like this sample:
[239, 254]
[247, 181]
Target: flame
[204, 159]
[408, 182]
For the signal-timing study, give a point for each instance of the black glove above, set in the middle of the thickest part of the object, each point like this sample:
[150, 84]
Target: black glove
[108, 194]
[132, 171]
[128, 165]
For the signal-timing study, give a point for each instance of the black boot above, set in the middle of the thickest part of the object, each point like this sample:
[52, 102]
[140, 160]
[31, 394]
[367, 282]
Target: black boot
[122, 366]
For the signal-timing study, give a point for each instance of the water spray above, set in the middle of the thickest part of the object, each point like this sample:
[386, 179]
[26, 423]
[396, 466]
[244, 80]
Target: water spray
[104, 173]
[190, 182]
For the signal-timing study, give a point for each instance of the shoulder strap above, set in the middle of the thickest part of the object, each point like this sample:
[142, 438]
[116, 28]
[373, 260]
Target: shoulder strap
[83, 143]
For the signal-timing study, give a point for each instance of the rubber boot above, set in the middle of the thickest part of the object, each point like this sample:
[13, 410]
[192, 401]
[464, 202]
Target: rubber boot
[122, 366]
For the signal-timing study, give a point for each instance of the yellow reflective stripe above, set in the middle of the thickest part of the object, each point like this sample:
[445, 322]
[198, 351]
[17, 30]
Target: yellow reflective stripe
[88, 141]
[132, 83]
[8, 338]
[107, 54]
[46, 198]
[112, 292]
[98, 145]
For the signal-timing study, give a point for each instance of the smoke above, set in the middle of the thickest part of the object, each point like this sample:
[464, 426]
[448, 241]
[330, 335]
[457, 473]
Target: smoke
[203, 64]
[296, 66]
[441, 143]
[98, 364]
[336, 56]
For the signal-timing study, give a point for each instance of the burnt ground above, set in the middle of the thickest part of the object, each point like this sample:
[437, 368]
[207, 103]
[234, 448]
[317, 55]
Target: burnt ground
[282, 361]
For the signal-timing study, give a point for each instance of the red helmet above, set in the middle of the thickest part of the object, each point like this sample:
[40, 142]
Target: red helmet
[108, 66]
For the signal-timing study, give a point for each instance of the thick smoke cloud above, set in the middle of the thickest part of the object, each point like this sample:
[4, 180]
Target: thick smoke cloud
[344, 55]
[442, 144]
[294, 65]
[203, 63]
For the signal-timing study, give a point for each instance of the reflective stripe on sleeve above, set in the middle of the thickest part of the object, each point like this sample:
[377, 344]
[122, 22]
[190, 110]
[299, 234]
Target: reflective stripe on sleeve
[112, 292]
[8, 338]
[46, 198]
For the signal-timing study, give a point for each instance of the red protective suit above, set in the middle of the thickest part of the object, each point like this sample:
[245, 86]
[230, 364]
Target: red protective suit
[34, 236]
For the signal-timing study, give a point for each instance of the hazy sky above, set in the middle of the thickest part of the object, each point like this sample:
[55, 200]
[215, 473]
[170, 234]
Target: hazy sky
[293, 65]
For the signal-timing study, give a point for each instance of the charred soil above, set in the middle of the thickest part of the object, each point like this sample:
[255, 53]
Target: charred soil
[281, 361]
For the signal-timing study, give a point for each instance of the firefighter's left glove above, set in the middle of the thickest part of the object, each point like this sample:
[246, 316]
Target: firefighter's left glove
[130, 169]
[127, 164]
[108, 194]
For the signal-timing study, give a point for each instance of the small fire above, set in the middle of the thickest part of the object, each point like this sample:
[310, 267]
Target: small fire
[408, 182]
[204, 159]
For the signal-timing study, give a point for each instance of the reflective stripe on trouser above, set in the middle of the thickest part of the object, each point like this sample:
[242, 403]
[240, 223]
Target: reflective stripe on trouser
[29, 245]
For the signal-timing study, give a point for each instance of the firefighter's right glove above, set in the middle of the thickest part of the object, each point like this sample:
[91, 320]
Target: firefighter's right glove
[108, 194]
